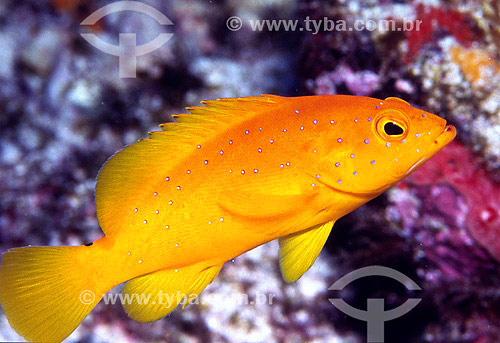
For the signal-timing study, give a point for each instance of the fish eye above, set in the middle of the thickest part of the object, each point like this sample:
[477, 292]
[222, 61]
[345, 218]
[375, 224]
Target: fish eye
[391, 125]
[393, 129]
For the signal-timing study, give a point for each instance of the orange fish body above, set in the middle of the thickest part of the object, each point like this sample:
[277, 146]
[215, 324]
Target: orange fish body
[223, 180]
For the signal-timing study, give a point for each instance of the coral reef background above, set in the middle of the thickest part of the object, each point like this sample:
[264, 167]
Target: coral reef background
[64, 110]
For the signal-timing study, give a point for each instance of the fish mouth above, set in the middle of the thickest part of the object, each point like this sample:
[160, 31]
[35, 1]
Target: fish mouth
[448, 134]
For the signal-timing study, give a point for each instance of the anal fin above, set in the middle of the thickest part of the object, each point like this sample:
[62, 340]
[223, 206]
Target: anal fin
[153, 296]
[299, 251]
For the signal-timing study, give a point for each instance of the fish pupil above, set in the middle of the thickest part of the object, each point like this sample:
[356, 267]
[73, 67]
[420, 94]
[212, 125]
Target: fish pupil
[393, 129]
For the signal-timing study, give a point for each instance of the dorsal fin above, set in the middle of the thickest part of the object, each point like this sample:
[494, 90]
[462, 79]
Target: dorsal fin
[136, 169]
[221, 113]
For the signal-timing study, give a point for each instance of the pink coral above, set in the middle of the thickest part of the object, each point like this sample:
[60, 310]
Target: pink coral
[435, 19]
[363, 82]
[457, 167]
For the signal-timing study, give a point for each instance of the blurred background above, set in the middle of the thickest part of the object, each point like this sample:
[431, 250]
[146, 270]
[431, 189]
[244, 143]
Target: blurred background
[64, 110]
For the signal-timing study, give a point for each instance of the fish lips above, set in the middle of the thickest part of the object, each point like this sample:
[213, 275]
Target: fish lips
[448, 134]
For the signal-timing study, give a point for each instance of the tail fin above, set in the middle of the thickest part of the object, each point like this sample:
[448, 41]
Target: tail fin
[46, 292]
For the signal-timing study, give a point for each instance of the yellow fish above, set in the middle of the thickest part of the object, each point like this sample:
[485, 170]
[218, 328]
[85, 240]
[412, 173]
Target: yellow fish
[222, 180]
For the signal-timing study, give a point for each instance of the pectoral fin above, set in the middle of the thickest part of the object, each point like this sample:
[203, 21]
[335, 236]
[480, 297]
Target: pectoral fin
[299, 251]
[155, 295]
[263, 207]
